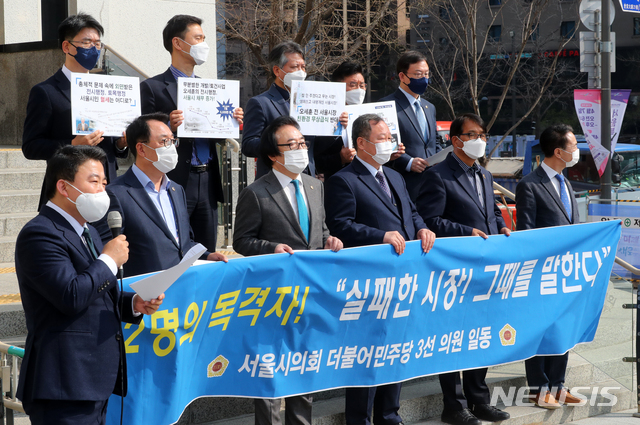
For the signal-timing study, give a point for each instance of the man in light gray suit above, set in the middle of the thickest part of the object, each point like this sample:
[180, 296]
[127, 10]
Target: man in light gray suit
[281, 212]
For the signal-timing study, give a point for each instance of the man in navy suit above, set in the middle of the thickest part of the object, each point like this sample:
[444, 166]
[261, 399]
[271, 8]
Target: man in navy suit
[544, 198]
[197, 169]
[368, 204]
[74, 355]
[416, 119]
[287, 64]
[457, 200]
[48, 125]
[153, 208]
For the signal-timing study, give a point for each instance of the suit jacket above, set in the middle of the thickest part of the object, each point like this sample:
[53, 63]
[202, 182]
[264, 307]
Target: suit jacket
[539, 205]
[159, 94]
[359, 212]
[70, 304]
[412, 139]
[327, 155]
[48, 125]
[152, 247]
[265, 218]
[449, 204]
[260, 112]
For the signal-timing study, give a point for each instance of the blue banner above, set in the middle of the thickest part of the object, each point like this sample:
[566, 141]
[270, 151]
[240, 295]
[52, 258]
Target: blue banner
[630, 5]
[279, 325]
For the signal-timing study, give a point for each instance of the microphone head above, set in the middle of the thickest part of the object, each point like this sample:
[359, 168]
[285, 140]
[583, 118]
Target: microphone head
[114, 220]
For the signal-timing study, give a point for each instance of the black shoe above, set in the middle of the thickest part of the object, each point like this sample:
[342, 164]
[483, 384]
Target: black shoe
[459, 417]
[486, 412]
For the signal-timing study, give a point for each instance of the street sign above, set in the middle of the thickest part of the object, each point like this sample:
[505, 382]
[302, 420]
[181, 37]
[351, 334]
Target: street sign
[630, 6]
[588, 7]
[588, 52]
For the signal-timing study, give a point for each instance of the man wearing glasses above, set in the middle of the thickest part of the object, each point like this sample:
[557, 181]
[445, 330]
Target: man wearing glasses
[48, 125]
[457, 200]
[153, 208]
[416, 119]
[281, 212]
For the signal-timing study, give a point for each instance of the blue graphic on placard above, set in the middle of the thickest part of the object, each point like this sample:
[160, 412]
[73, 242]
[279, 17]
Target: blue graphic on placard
[225, 109]
[279, 325]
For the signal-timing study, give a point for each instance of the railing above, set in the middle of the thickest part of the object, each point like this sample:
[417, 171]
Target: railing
[9, 365]
[113, 63]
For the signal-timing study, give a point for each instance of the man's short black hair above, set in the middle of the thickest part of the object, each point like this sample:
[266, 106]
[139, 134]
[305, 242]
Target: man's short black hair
[407, 59]
[458, 123]
[362, 127]
[269, 142]
[65, 162]
[72, 25]
[346, 69]
[278, 55]
[138, 131]
[177, 27]
[554, 137]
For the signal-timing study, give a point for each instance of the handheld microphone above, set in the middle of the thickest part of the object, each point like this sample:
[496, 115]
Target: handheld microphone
[114, 220]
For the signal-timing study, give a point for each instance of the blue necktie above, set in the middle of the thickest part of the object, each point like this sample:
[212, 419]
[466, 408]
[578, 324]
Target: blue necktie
[303, 214]
[563, 195]
[383, 184]
[202, 150]
[422, 119]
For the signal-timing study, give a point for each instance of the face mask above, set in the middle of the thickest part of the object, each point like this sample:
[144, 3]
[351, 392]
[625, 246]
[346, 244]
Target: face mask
[383, 152]
[199, 52]
[87, 58]
[296, 161]
[474, 148]
[418, 85]
[293, 76]
[575, 157]
[167, 158]
[91, 206]
[355, 96]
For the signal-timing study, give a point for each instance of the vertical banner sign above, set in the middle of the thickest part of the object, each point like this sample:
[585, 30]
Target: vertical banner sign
[103, 102]
[619, 100]
[208, 107]
[317, 107]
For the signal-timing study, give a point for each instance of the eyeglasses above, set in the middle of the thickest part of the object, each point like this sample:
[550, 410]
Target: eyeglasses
[355, 85]
[472, 135]
[419, 75]
[168, 142]
[295, 145]
[86, 44]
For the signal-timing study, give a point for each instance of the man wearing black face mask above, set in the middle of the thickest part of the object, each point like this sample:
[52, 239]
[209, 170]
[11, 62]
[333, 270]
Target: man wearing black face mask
[416, 119]
[48, 123]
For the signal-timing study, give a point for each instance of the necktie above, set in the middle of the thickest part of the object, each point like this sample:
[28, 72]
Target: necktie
[383, 183]
[303, 214]
[202, 150]
[87, 238]
[563, 195]
[477, 178]
[422, 119]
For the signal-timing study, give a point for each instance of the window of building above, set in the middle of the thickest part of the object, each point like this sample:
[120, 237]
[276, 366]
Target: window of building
[495, 2]
[636, 26]
[534, 34]
[495, 31]
[567, 29]
[446, 12]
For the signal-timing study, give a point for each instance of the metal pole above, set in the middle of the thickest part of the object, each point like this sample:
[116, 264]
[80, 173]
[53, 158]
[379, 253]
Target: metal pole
[605, 136]
[513, 97]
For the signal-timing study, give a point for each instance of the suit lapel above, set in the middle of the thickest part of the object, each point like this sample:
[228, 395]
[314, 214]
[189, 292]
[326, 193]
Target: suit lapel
[313, 200]
[367, 178]
[64, 85]
[407, 108]
[548, 185]
[278, 101]
[277, 194]
[172, 87]
[183, 233]
[463, 180]
[488, 192]
[67, 231]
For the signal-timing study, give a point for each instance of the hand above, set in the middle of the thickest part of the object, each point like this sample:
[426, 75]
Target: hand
[505, 231]
[175, 120]
[146, 307]
[333, 243]
[477, 232]
[217, 256]
[121, 143]
[344, 119]
[118, 250]
[280, 248]
[88, 139]
[238, 115]
[418, 165]
[395, 239]
[346, 155]
[397, 154]
[428, 238]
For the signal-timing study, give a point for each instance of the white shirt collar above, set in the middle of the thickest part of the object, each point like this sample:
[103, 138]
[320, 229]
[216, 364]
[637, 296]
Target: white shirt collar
[285, 180]
[411, 98]
[373, 170]
[66, 72]
[77, 227]
[145, 180]
[550, 171]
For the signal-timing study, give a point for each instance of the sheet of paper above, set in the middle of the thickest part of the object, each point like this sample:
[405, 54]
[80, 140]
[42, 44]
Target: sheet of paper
[440, 156]
[317, 106]
[208, 107]
[151, 287]
[387, 110]
[103, 102]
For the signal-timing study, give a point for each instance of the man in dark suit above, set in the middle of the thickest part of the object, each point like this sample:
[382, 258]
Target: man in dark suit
[368, 204]
[281, 212]
[153, 208]
[287, 64]
[544, 198]
[48, 123]
[74, 354]
[197, 169]
[458, 201]
[416, 119]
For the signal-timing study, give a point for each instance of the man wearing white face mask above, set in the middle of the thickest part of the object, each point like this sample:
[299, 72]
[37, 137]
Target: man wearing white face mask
[286, 61]
[281, 212]
[197, 169]
[153, 208]
[458, 201]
